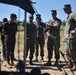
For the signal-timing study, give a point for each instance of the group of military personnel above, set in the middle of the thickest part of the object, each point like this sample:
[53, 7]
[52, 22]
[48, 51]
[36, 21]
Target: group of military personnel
[70, 36]
[8, 32]
[36, 33]
[35, 37]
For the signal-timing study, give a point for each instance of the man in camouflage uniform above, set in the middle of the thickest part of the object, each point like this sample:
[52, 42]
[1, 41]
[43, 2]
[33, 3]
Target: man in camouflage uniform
[10, 29]
[3, 38]
[40, 26]
[53, 42]
[70, 35]
[31, 38]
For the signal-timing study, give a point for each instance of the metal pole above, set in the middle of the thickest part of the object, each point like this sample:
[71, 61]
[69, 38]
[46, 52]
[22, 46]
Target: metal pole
[18, 32]
[0, 61]
[25, 39]
[66, 62]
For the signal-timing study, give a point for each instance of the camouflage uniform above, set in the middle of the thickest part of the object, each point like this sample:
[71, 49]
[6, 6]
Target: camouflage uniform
[53, 42]
[31, 40]
[70, 38]
[3, 38]
[54, 39]
[40, 37]
[10, 39]
[10, 30]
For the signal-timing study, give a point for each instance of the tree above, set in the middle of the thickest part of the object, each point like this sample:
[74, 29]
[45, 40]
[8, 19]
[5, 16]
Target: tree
[63, 23]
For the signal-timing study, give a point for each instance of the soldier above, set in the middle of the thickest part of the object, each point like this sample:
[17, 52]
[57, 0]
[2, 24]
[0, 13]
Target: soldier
[31, 38]
[10, 29]
[53, 42]
[40, 26]
[70, 35]
[3, 38]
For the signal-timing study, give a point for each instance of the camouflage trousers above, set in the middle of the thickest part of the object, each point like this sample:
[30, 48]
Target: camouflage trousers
[10, 46]
[30, 46]
[71, 49]
[53, 44]
[40, 43]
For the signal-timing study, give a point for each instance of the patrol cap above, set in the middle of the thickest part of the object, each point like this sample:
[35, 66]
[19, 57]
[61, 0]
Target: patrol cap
[13, 15]
[53, 11]
[38, 15]
[66, 6]
[30, 16]
[5, 20]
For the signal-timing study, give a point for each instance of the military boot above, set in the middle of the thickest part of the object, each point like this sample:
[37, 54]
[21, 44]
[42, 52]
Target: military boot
[8, 61]
[42, 58]
[75, 65]
[12, 63]
[56, 63]
[70, 64]
[36, 59]
[31, 63]
[48, 63]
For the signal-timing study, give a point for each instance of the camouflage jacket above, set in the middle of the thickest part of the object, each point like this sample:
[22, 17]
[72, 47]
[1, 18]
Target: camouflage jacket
[10, 29]
[31, 32]
[54, 30]
[40, 29]
[70, 24]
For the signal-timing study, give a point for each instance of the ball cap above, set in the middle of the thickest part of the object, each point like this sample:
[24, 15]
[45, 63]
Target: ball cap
[38, 15]
[13, 15]
[66, 6]
[30, 16]
[5, 20]
[53, 11]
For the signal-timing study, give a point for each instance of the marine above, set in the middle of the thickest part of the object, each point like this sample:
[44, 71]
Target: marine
[53, 42]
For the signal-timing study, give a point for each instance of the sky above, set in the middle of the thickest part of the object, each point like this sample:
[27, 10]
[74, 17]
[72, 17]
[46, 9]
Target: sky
[43, 7]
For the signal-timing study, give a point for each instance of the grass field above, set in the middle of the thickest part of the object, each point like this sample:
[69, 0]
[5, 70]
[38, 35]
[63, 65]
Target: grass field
[20, 40]
[49, 69]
